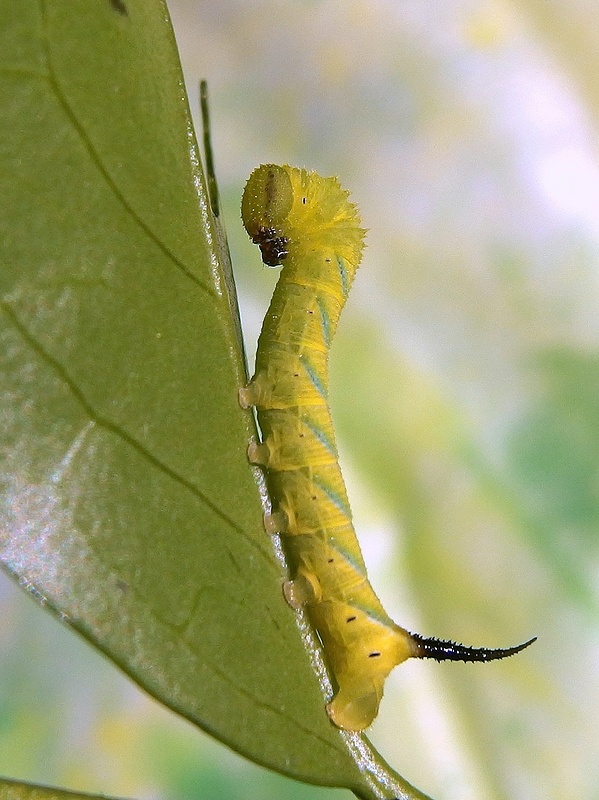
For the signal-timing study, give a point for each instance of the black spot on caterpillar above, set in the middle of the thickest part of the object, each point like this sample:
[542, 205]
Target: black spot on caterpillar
[308, 223]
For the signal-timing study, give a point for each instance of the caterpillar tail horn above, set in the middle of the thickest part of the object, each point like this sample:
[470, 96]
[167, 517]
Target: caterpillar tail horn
[445, 650]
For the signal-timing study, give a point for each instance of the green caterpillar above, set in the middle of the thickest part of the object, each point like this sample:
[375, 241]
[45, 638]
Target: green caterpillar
[308, 222]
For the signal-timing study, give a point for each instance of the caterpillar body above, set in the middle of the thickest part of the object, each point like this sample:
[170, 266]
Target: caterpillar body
[308, 223]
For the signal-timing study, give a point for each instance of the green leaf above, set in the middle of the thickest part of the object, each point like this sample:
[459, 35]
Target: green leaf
[128, 505]
[15, 790]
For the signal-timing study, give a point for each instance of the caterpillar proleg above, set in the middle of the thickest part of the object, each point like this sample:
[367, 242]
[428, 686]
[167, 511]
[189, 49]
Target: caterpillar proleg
[308, 224]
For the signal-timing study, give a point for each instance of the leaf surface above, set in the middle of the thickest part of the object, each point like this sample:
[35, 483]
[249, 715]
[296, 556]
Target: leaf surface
[128, 506]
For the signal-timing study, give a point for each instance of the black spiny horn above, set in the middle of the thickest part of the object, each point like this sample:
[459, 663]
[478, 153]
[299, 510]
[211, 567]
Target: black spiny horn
[445, 650]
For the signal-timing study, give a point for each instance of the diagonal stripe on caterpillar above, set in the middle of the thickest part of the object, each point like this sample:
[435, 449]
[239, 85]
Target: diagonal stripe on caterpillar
[307, 223]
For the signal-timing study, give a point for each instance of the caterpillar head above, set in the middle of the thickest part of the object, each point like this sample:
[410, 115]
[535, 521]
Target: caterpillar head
[267, 201]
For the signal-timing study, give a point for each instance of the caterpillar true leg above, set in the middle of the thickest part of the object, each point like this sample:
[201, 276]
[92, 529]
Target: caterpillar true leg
[307, 222]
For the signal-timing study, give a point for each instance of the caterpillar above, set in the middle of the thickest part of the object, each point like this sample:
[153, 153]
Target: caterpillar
[308, 224]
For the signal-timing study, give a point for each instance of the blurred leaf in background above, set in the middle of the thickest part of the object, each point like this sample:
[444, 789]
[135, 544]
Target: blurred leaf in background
[465, 386]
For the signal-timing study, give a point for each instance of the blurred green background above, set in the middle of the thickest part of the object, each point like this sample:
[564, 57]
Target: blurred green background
[465, 390]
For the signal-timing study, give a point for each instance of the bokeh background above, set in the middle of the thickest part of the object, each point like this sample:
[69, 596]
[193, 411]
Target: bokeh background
[465, 390]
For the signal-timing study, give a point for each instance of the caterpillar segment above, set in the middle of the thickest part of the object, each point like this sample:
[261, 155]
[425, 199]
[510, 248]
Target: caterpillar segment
[308, 224]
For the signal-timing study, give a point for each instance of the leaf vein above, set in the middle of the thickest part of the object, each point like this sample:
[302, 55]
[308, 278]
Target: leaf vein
[80, 129]
[120, 432]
